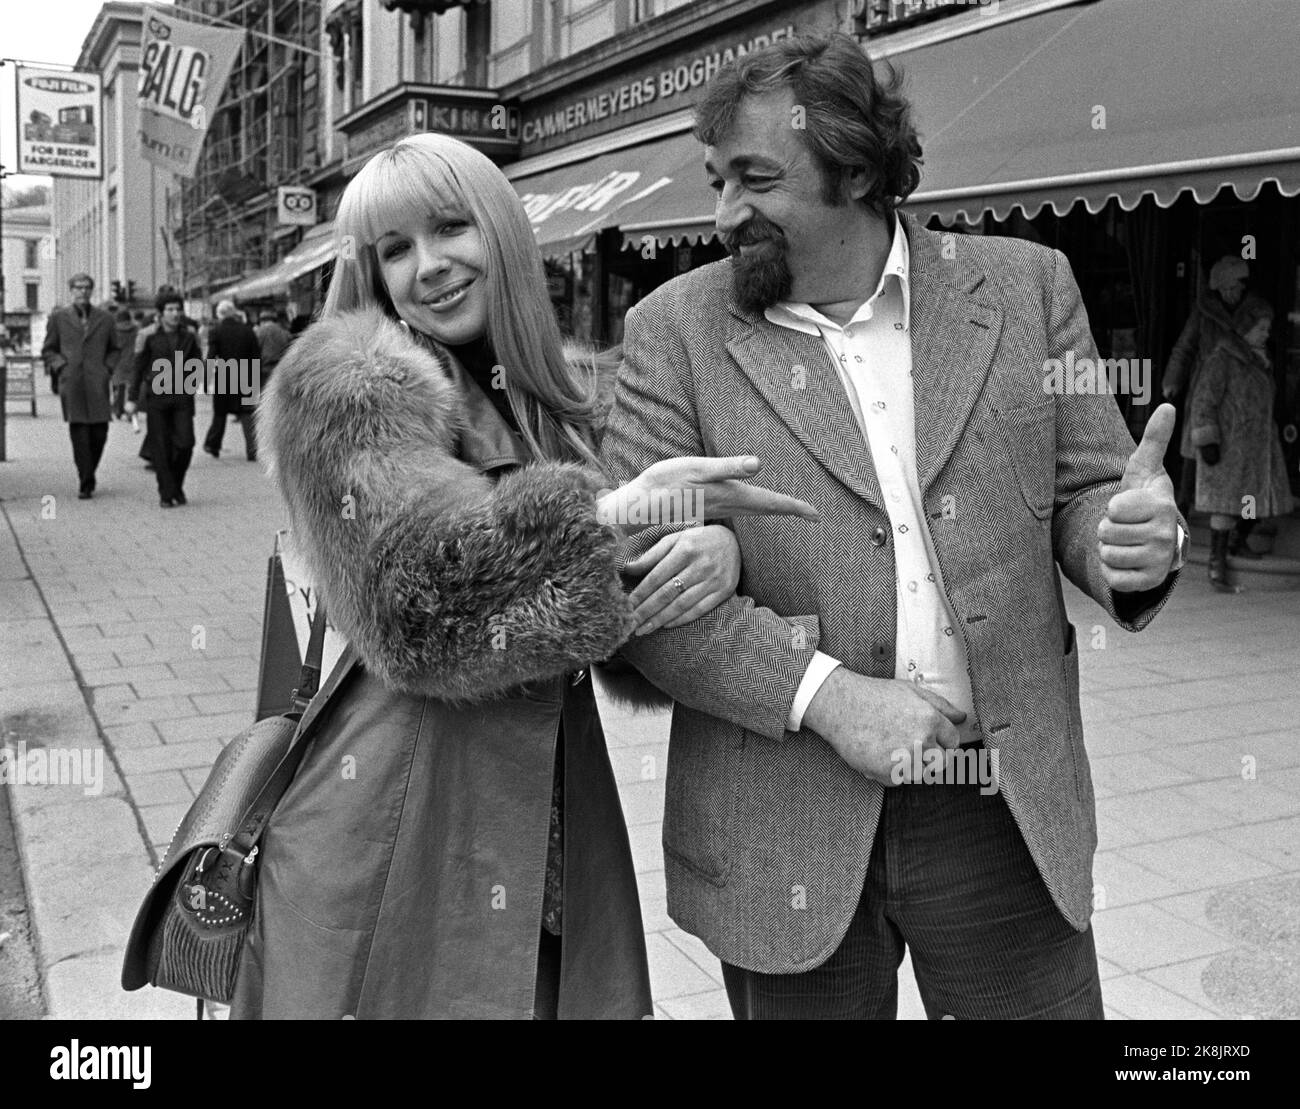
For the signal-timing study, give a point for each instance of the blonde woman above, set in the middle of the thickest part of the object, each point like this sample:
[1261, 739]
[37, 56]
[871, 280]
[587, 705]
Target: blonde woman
[453, 844]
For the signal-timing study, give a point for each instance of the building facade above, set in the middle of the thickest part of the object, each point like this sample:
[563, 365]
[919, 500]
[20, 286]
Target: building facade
[1074, 124]
[29, 283]
[265, 134]
[116, 229]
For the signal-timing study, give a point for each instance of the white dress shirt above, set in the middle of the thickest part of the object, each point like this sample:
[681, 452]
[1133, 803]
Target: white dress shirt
[873, 354]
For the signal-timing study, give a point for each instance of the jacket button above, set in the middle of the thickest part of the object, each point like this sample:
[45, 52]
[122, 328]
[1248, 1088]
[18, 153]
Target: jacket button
[879, 650]
[879, 537]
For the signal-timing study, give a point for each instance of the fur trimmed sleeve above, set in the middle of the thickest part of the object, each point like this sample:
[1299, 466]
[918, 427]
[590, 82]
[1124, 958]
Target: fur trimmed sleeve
[445, 584]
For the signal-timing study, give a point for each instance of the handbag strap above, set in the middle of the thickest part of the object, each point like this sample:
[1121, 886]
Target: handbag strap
[309, 682]
[259, 812]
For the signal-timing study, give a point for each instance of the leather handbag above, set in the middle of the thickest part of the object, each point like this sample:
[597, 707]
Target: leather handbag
[189, 932]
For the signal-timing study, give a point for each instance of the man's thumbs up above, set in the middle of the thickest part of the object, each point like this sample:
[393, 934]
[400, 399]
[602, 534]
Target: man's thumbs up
[1148, 460]
[1138, 537]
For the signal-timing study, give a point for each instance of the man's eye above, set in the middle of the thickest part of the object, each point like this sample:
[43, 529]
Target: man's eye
[759, 182]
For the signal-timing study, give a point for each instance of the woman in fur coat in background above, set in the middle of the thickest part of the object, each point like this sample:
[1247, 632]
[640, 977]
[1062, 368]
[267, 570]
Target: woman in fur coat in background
[453, 843]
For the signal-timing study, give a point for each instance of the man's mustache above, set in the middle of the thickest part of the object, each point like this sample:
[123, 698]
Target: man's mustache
[754, 231]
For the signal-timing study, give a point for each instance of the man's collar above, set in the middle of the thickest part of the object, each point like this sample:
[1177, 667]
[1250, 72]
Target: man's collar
[804, 317]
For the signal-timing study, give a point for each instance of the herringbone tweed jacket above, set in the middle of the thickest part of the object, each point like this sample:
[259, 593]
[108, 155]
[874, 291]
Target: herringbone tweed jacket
[759, 820]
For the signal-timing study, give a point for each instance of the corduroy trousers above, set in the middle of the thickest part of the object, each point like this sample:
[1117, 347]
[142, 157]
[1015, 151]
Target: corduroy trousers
[951, 881]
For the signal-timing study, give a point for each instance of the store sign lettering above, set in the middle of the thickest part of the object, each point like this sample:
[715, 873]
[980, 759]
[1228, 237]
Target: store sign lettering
[591, 197]
[652, 88]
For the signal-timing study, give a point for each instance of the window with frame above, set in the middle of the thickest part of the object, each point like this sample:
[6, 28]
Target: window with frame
[32, 259]
[33, 295]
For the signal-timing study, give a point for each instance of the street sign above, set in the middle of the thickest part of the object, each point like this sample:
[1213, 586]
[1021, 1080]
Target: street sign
[60, 123]
[295, 204]
[20, 381]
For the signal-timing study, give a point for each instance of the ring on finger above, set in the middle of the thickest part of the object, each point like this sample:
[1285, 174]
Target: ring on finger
[681, 586]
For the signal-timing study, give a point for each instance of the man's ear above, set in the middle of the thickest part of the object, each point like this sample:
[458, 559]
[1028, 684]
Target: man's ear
[858, 182]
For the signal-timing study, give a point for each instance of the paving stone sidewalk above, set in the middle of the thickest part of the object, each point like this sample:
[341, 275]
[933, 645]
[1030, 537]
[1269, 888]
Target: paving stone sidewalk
[134, 631]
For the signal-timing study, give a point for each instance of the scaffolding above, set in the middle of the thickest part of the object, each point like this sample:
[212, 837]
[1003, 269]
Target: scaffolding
[266, 132]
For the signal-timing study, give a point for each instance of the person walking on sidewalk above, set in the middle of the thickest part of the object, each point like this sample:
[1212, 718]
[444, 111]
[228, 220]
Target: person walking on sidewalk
[1231, 422]
[1209, 323]
[231, 341]
[78, 343]
[273, 339]
[122, 362]
[169, 407]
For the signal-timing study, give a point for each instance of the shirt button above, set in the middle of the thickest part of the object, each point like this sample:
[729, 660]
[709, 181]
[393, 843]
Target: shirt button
[879, 536]
[911, 586]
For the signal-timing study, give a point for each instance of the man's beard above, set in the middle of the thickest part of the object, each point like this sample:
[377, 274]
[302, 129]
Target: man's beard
[760, 279]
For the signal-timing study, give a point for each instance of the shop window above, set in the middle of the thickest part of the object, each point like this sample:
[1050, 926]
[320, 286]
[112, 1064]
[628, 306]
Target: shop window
[510, 37]
[590, 23]
[477, 27]
[643, 10]
[347, 49]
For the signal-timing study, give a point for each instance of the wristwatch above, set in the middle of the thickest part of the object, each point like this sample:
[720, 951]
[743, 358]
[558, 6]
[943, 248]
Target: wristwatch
[1180, 555]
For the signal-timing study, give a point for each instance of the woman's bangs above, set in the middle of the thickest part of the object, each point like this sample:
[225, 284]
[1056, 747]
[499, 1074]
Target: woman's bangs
[407, 187]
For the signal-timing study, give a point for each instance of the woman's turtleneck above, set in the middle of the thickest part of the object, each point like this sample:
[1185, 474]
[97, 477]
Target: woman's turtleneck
[480, 363]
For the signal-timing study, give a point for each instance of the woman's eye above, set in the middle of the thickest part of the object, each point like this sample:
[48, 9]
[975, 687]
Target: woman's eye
[453, 225]
[392, 251]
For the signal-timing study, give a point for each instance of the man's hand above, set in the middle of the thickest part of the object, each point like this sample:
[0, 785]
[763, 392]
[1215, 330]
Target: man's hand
[706, 561]
[1138, 538]
[129, 407]
[876, 724]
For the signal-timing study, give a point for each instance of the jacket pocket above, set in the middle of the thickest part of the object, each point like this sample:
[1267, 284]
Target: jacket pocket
[704, 774]
[1029, 433]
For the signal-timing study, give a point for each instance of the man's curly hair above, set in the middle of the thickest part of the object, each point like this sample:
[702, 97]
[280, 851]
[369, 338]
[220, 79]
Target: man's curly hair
[852, 117]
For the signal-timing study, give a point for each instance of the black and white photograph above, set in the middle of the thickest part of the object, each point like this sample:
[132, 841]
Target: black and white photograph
[652, 510]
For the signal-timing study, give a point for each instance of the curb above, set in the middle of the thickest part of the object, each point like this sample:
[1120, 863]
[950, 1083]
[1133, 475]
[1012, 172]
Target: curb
[81, 898]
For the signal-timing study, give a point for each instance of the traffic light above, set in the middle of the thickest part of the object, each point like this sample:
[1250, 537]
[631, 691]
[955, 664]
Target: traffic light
[130, 292]
[117, 292]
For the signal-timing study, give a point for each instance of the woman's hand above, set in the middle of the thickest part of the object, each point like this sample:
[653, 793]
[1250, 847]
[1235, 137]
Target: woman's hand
[687, 574]
[690, 490]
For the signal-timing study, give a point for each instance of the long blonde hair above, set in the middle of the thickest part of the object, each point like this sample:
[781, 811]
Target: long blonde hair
[554, 401]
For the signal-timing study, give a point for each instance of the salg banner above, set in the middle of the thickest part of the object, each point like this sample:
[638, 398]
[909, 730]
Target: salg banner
[60, 123]
[183, 71]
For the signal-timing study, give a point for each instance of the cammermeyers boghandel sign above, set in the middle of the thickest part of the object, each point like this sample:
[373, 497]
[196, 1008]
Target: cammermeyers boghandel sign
[654, 88]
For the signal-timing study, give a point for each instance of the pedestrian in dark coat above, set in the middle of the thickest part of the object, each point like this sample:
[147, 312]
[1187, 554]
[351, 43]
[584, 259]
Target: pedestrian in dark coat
[274, 340]
[1209, 323]
[453, 844]
[122, 362]
[160, 389]
[234, 343]
[78, 343]
[1242, 472]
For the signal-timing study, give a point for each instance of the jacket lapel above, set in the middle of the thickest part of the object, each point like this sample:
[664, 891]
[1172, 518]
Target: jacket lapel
[818, 413]
[954, 339]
